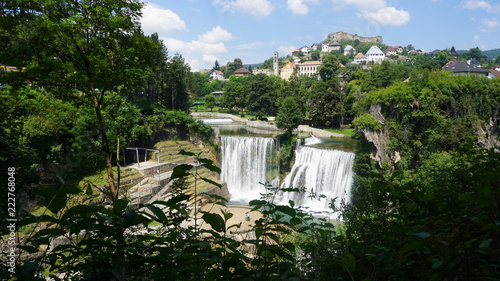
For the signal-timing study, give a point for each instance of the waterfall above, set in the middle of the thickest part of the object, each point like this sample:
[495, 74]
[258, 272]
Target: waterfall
[246, 162]
[325, 172]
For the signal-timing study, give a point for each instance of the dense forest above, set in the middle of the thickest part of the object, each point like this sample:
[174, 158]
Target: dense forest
[89, 82]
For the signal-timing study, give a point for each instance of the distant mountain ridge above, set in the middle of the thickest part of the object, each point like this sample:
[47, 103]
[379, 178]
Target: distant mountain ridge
[490, 54]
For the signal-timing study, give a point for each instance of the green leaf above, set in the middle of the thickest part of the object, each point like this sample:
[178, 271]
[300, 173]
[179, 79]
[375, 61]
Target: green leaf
[349, 262]
[160, 215]
[133, 218]
[289, 246]
[258, 232]
[292, 204]
[187, 153]
[212, 182]
[257, 202]
[56, 203]
[227, 216]
[295, 221]
[79, 210]
[89, 190]
[181, 171]
[207, 163]
[287, 210]
[120, 205]
[29, 249]
[175, 200]
[215, 221]
[485, 244]
[53, 232]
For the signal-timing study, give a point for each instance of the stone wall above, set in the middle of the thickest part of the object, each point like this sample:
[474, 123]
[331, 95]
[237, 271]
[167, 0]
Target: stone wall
[344, 36]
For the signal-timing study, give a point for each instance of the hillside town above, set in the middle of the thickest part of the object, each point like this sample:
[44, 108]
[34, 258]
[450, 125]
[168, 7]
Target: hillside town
[307, 60]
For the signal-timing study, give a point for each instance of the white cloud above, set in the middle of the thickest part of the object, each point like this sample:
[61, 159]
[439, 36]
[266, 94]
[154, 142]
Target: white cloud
[489, 25]
[473, 4]
[217, 34]
[162, 21]
[476, 37]
[286, 50]
[376, 11]
[387, 16]
[253, 7]
[299, 7]
[204, 51]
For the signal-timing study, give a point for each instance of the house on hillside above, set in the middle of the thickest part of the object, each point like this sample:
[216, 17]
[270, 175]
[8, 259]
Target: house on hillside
[242, 72]
[216, 75]
[288, 70]
[315, 46]
[468, 68]
[374, 55]
[309, 68]
[391, 51]
[359, 59]
[451, 63]
[331, 46]
[493, 73]
[304, 49]
[349, 50]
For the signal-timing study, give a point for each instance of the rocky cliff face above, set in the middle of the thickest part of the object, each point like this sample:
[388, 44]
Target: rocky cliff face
[344, 36]
[488, 132]
[380, 139]
[488, 137]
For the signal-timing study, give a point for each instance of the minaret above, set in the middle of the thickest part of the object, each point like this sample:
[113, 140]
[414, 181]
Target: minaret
[275, 64]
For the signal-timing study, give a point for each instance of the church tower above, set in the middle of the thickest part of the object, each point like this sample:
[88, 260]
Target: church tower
[275, 64]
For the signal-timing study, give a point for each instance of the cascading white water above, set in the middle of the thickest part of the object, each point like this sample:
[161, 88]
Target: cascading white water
[325, 172]
[246, 162]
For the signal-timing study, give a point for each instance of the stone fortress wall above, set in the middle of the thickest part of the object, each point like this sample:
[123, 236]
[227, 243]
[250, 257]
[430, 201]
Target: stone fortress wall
[344, 36]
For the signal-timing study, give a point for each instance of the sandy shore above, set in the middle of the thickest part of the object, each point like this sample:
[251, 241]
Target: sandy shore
[237, 218]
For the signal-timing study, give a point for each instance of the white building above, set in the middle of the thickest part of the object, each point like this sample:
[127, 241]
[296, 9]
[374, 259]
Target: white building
[309, 68]
[374, 55]
[349, 50]
[216, 75]
[359, 59]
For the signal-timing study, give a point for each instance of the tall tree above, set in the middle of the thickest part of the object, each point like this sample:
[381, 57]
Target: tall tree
[262, 94]
[233, 66]
[290, 114]
[234, 94]
[158, 66]
[329, 67]
[92, 46]
[179, 80]
[216, 65]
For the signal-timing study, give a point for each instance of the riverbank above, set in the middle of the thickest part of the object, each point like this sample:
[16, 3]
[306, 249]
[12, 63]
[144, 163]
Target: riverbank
[302, 129]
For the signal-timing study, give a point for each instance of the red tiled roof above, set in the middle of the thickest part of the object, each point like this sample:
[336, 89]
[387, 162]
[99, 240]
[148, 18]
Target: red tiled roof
[242, 71]
[496, 73]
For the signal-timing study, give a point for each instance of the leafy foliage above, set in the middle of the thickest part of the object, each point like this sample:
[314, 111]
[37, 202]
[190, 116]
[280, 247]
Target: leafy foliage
[290, 115]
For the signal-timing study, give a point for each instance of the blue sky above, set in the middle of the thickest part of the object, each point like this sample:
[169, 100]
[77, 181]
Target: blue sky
[203, 31]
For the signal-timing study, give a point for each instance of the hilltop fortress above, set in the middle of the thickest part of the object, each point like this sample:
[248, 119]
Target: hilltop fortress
[344, 36]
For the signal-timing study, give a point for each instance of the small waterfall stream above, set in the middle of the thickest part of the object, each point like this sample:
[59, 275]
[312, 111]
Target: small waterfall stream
[246, 162]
